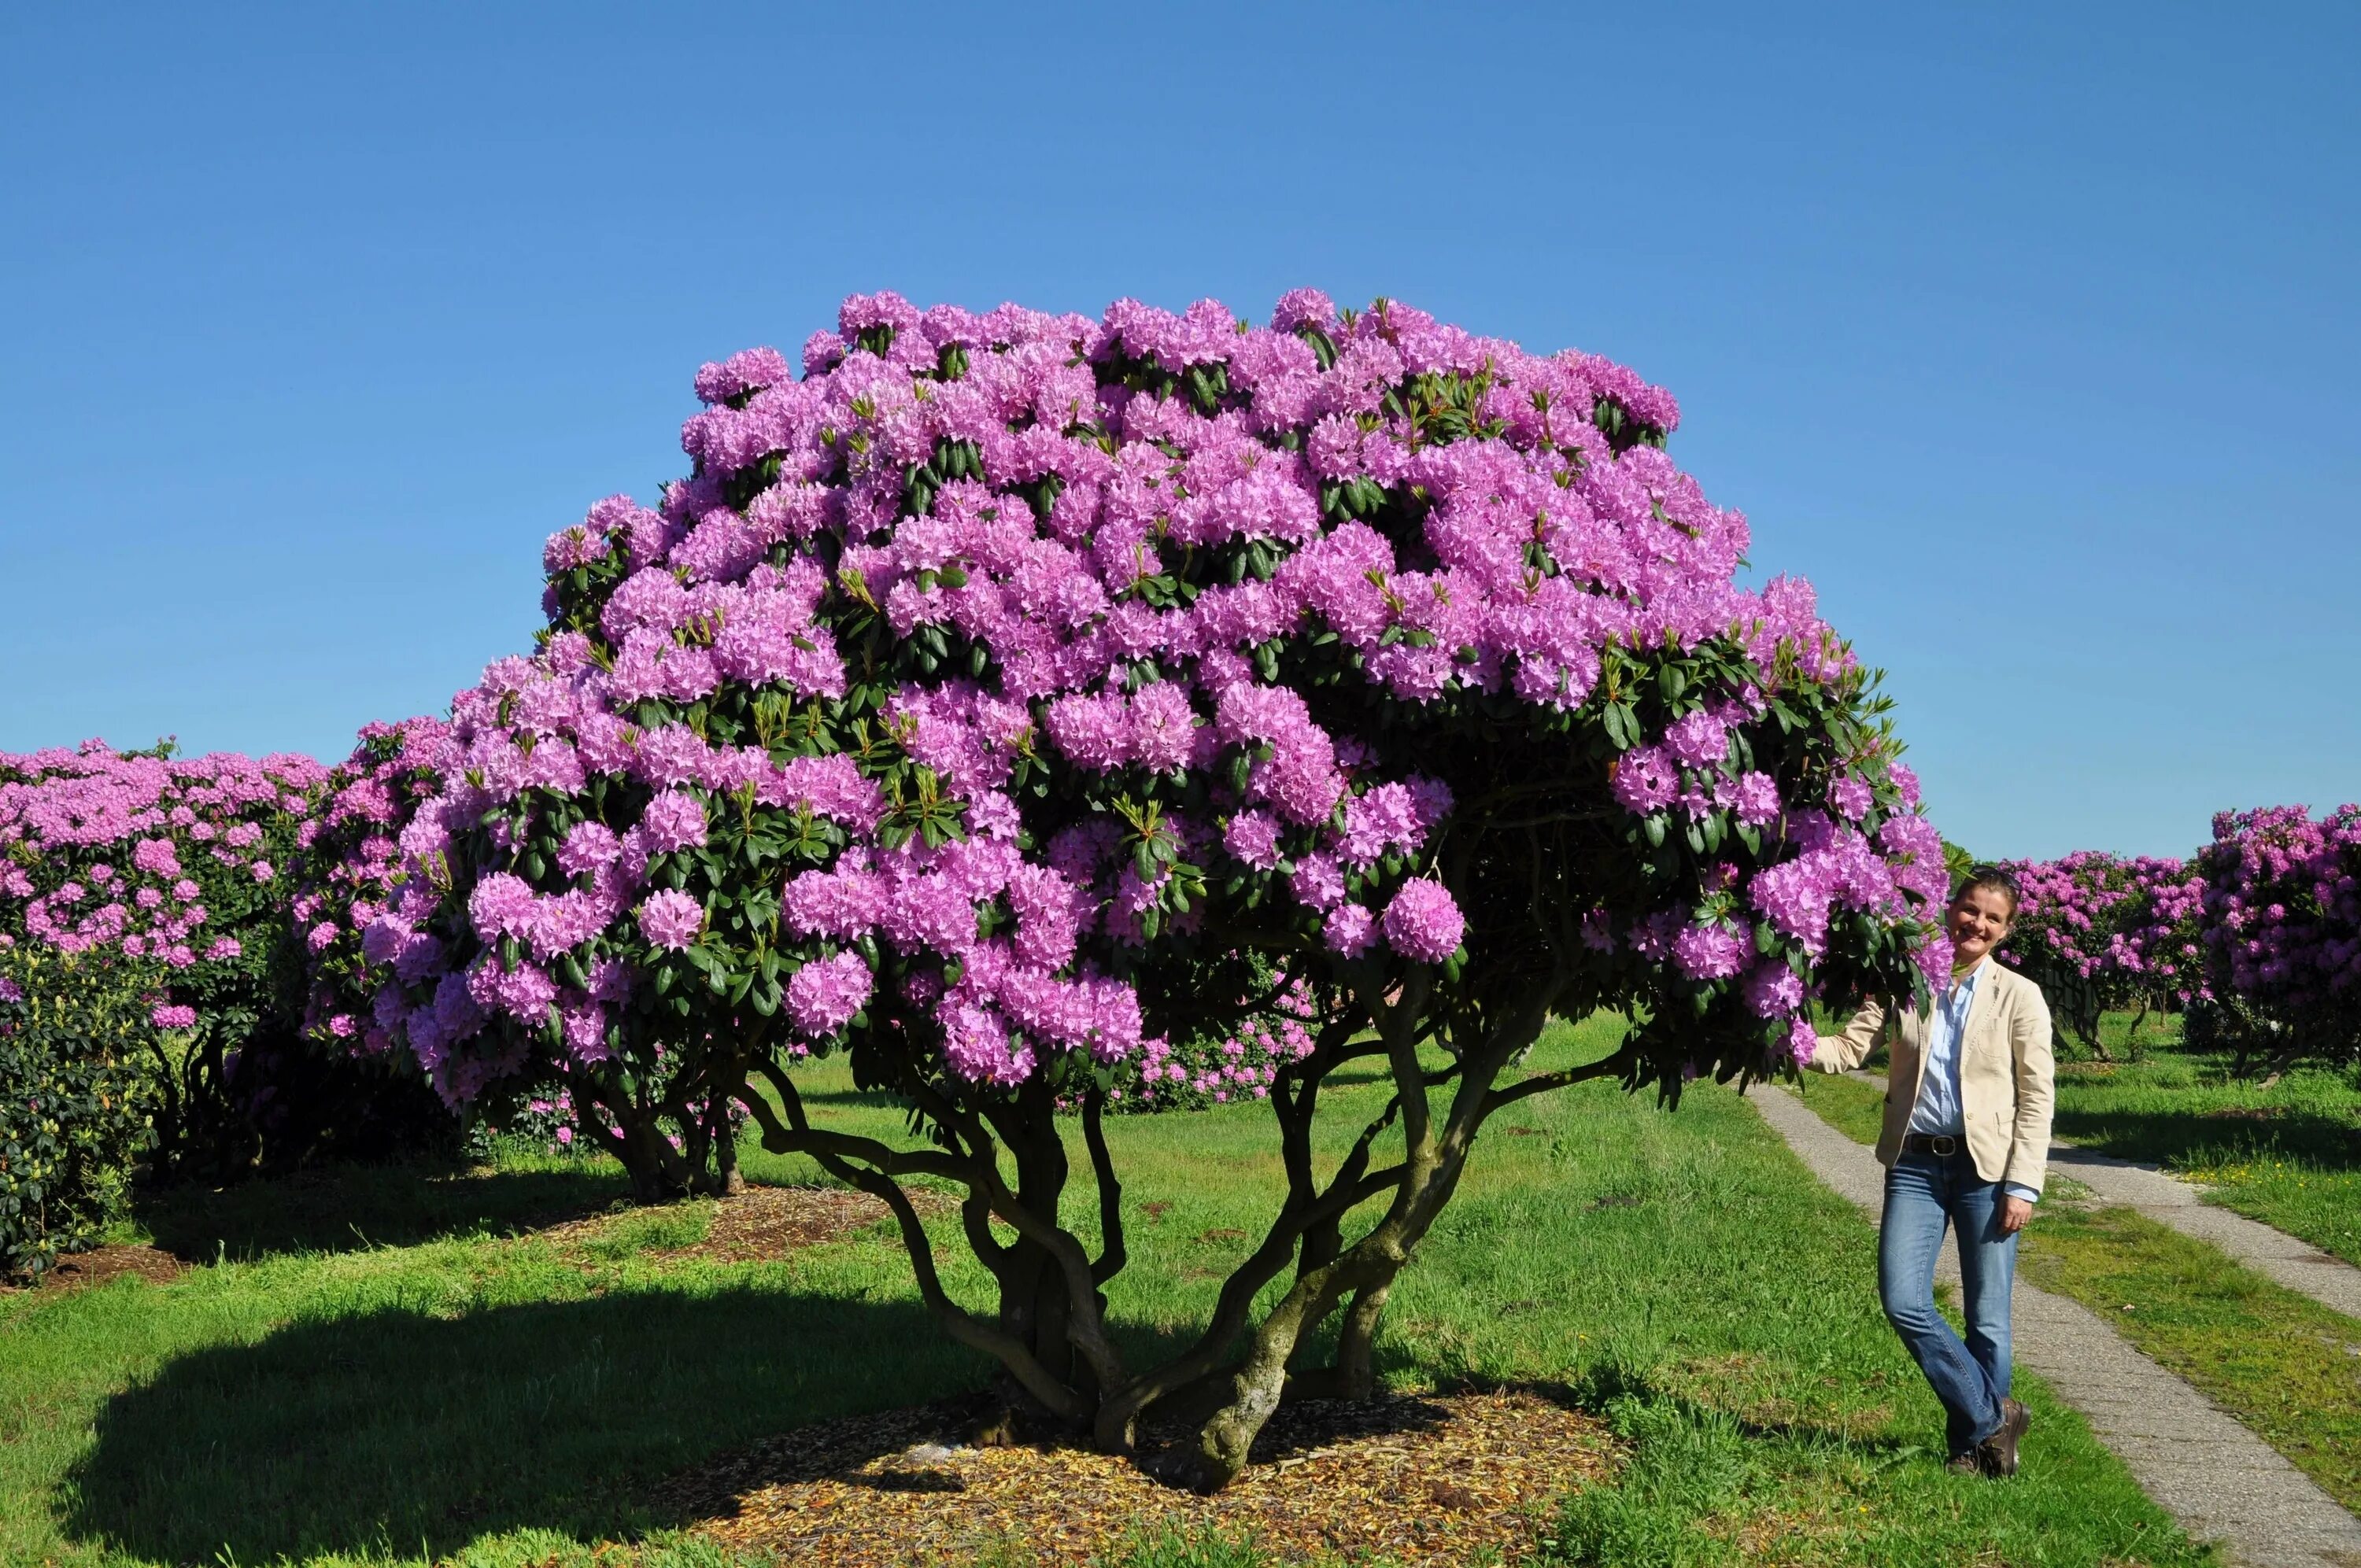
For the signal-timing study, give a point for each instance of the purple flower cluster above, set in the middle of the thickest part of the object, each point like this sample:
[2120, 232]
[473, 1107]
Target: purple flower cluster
[825, 995]
[2281, 920]
[2128, 925]
[346, 873]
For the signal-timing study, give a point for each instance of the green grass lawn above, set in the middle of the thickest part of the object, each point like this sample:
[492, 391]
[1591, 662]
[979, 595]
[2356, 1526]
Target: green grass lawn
[2287, 1366]
[379, 1370]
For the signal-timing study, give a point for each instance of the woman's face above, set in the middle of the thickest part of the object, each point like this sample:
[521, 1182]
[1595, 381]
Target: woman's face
[1979, 921]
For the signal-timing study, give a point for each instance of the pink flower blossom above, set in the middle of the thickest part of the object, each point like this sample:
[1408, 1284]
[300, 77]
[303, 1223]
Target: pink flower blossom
[671, 920]
[823, 996]
[1424, 922]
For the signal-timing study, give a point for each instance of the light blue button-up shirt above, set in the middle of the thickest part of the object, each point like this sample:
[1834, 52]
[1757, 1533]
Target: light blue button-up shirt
[1939, 1108]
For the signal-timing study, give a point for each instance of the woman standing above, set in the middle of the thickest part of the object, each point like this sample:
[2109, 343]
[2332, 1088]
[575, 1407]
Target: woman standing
[1966, 1144]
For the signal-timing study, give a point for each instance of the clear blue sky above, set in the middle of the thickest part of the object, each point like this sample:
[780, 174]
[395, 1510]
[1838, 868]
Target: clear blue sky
[2027, 333]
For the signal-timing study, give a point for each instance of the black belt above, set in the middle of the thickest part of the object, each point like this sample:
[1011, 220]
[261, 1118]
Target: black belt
[1942, 1146]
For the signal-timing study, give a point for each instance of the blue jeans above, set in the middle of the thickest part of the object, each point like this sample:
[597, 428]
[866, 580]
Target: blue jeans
[1923, 1195]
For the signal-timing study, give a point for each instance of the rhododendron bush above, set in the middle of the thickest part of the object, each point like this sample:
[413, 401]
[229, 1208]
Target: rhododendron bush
[347, 877]
[73, 1111]
[339, 883]
[2282, 931]
[1003, 699]
[2098, 932]
[347, 874]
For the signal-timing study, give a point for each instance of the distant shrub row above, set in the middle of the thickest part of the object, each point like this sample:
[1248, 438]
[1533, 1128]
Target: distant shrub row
[2257, 935]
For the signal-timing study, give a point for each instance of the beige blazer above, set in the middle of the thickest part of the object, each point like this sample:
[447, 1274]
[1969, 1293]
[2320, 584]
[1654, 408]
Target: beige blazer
[2007, 1078]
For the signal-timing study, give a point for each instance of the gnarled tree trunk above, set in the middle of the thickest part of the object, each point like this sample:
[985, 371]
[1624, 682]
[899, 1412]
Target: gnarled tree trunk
[1050, 1329]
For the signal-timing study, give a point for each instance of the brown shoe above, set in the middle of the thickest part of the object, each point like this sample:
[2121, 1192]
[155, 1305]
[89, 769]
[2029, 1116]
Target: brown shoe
[1999, 1451]
[1964, 1464]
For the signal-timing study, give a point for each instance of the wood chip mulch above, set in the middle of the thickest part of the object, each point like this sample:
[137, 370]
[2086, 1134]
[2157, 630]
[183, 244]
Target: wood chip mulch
[764, 1223]
[99, 1265]
[1434, 1479]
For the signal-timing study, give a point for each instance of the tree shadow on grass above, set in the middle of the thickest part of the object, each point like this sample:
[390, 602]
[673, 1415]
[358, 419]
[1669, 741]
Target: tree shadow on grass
[2221, 1136]
[395, 1431]
[346, 1207]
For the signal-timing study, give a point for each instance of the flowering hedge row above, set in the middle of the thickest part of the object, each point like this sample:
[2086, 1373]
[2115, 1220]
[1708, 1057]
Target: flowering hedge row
[2283, 926]
[172, 875]
[168, 871]
[2100, 931]
[1211, 1070]
[2258, 933]
[163, 861]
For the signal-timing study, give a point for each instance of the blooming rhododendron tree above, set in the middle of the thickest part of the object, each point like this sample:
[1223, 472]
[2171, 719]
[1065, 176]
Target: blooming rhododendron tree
[999, 700]
[2283, 928]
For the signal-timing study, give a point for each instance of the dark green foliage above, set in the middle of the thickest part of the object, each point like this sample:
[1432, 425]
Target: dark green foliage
[71, 1104]
[245, 1094]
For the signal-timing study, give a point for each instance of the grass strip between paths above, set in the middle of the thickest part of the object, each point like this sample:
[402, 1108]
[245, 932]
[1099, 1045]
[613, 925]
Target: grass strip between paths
[2288, 1154]
[2286, 1367]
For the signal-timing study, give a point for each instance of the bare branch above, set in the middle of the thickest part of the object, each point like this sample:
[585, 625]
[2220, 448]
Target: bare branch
[1542, 1084]
[1397, 1026]
[975, 1218]
[1235, 1303]
[799, 1136]
[1359, 1155]
[1084, 1326]
[1296, 1096]
[1113, 1253]
[832, 1151]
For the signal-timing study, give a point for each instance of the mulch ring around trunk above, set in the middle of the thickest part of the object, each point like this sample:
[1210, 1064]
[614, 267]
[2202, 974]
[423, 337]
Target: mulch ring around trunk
[1427, 1479]
[764, 1223]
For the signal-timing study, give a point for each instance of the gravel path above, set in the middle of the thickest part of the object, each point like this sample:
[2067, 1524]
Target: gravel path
[2298, 1264]
[2219, 1480]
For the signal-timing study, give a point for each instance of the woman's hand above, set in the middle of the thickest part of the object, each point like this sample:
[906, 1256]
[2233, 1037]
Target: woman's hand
[2014, 1212]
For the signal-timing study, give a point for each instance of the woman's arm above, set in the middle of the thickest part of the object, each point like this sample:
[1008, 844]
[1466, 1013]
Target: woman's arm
[1842, 1053]
[2036, 1089]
